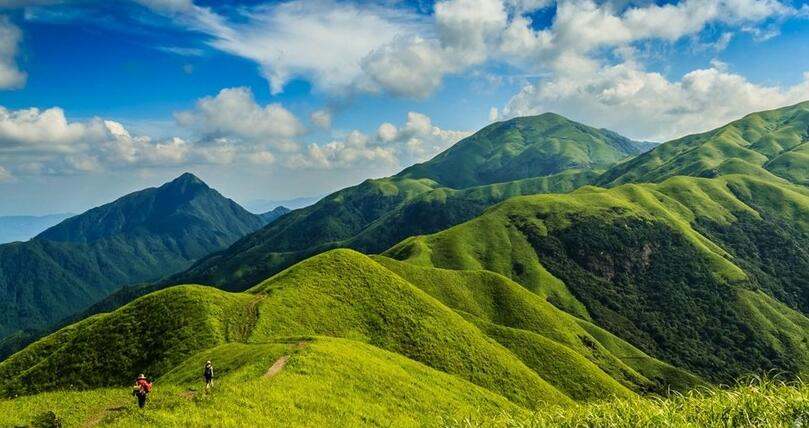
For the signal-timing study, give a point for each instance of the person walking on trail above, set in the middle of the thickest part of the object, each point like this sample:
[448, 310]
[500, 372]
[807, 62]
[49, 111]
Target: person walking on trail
[208, 375]
[141, 390]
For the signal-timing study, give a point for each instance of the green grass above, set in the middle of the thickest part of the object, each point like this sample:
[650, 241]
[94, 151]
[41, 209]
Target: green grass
[151, 334]
[761, 403]
[773, 141]
[326, 382]
[345, 294]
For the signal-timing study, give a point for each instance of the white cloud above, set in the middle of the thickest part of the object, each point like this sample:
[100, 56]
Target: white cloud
[43, 130]
[182, 51]
[343, 47]
[645, 105]
[494, 114]
[5, 175]
[11, 77]
[321, 118]
[323, 41]
[391, 147]
[233, 112]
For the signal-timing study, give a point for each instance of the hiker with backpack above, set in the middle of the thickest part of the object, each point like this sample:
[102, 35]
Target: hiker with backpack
[141, 390]
[208, 375]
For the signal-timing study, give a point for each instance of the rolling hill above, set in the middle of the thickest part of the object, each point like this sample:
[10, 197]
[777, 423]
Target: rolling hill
[139, 237]
[689, 267]
[343, 318]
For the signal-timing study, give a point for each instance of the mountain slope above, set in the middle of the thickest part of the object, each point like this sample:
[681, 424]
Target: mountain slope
[774, 141]
[521, 148]
[646, 263]
[140, 237]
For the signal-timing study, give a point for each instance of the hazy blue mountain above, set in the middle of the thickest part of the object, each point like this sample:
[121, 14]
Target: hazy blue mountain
[24, 227]
[139, 237]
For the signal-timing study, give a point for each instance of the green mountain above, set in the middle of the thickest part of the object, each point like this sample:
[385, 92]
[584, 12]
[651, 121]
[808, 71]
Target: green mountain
[765, 144]
[139, 237]
[706, 274]
[540, 154]
[522, 148]
[344, 319]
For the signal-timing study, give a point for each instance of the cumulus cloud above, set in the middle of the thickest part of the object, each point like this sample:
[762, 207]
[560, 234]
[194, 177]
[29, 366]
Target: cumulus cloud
[392, 147]
[321, 40]
[11, 77]
[34, 141]
[645, 105]
[233, 112]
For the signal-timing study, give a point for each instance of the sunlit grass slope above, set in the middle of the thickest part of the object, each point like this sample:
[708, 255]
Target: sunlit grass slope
[326, 382]
[758, 403]
[346, 294]
[774, 140]
[547, 339]
[653, 264]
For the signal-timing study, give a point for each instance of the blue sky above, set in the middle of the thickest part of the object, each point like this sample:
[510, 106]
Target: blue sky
[273, 100]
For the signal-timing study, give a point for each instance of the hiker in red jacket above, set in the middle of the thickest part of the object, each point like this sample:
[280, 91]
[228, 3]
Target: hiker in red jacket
[142, 389]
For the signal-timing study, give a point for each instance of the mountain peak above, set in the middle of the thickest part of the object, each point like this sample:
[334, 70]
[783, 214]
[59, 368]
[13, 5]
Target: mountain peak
[187, 177]
[524, 147]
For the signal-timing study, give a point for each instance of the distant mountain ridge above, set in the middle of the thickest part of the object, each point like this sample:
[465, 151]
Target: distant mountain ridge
[537, 154]
[139, 237]
[274, 214]
[24, 227]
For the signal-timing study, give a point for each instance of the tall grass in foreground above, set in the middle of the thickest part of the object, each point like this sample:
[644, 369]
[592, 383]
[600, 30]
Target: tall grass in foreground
[758, 402]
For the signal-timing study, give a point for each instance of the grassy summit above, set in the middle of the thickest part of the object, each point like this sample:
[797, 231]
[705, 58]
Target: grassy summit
[524, 147]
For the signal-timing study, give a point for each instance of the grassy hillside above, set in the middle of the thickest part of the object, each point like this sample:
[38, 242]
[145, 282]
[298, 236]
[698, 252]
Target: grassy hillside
[643, 262]
[776, 141]
[337, 382]
[547, 339]
[521, 148]
[479, 329]
[140, 237]
[326, 382]
[340, 293]
[755, 403]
